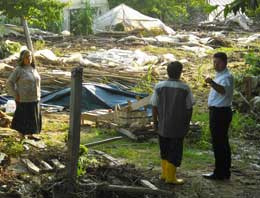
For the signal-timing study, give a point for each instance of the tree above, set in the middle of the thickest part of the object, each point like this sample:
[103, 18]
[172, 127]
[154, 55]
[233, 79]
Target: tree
[36, 11]
[245, 6]
[82, 20]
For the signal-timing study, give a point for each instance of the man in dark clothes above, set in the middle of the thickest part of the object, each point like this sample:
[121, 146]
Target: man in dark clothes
[172, 103]
[220, 115]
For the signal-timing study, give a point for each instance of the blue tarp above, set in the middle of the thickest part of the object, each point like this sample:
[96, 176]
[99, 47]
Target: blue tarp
[94, 96]
[3, 100]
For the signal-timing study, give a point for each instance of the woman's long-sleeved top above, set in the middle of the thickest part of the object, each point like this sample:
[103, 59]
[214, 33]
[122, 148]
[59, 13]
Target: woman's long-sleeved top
[25, 81]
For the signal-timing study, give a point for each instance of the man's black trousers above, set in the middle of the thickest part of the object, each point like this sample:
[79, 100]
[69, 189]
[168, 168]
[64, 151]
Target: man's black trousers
[220, 119]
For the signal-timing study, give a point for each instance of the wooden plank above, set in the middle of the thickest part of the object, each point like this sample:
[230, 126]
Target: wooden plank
[108, 157]
[38, 144]
[46, 166]
[104, 141]
[57, 164]
[137, 105]
[129, 189]
[148, 184]
[127, 133]
[31, 166]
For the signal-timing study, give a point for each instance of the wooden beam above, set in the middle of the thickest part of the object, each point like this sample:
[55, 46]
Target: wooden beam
[129, 189]
[148, 184]
[127, 133]
[108, 157]
[57, 164]
[137, 105]
[31, 166]
[104, 141]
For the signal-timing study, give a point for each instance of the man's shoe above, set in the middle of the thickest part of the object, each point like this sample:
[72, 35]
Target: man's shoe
[213, 176]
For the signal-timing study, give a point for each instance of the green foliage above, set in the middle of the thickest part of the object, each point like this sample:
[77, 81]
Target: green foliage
[51, 125]
[170, 11]
[6, 20]
[240, 124]
[82, 20]
[11, 147]
[145, 84]
[203, 119]
[39, 45]
[8, 47]
[84, 161]
[245, 6]
[37, 12]
[254, 61]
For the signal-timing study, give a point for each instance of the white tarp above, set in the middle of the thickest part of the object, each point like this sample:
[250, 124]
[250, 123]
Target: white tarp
[130, 19]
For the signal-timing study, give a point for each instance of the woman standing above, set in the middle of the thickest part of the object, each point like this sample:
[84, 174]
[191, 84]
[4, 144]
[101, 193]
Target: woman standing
[24, 85]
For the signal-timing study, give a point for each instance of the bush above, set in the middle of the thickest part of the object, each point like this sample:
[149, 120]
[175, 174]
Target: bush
[254, 61]
[81, 21]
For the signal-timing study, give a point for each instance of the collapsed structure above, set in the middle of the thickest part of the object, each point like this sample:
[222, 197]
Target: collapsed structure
[127, 19]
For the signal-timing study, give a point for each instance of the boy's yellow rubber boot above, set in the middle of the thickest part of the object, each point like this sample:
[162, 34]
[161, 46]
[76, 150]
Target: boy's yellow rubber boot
[171, 175]
[164, 166]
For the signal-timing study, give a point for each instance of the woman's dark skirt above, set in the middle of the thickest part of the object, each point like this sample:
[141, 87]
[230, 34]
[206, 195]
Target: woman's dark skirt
[171, 149]
[27, 118]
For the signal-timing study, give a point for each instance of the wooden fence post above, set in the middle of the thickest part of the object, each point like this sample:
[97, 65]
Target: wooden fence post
[65, 189]
[74, 129]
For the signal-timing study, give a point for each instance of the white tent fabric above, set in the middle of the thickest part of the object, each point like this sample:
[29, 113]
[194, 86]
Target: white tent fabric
[130, 19]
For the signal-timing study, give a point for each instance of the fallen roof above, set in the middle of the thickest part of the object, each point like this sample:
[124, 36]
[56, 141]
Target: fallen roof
[94, 96]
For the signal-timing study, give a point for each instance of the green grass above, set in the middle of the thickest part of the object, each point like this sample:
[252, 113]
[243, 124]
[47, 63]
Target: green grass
[146, 154]
[240, 124]
[143, 154]
[55, 126]
[11, 147]
[203, 119]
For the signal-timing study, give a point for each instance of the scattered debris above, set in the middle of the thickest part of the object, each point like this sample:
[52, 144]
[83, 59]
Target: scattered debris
[111, 159]
[255, 104]
[37, 144]
[5, 120]
[31, 166]
[58, 165]
[103, 141]
[3, 159]
[127, 133]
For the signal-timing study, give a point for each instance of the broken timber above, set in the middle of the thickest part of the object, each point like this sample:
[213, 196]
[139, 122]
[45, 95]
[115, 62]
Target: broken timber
[127, 133]
[104, 141]
[97, 116]
[108, 157]
[148, 184]
[46, 167]
[128, 189]
[108, 115]
[57, 164]
[31, 166]
[137, 105]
